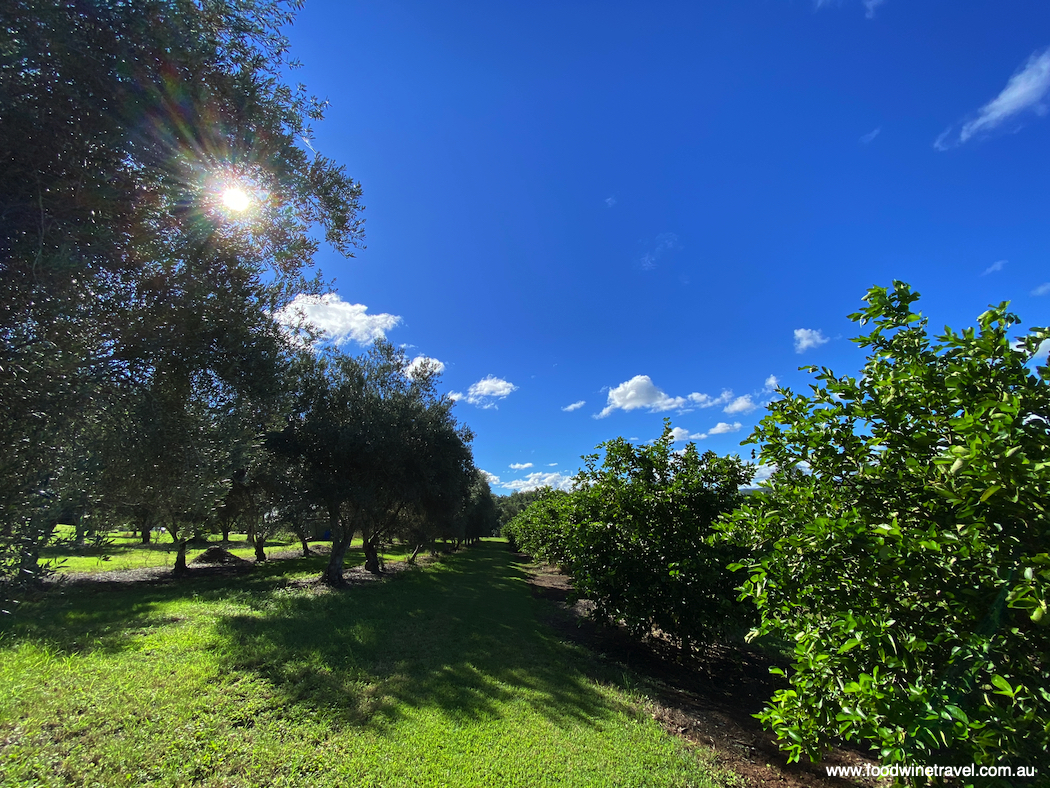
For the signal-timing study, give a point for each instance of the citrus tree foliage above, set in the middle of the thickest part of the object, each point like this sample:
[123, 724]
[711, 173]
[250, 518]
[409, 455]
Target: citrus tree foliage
[123, 277]
[636, 534]
[543, 527]
[510, 506]
[903, 545]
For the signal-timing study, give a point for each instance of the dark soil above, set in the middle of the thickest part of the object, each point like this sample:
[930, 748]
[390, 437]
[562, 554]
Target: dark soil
[709, 701]
[218, 555]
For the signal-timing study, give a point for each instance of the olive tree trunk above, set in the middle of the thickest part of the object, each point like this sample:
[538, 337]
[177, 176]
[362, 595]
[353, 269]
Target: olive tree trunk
[333, 572]
[180, 557]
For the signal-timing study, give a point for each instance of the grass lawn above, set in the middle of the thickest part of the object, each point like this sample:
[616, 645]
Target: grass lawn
[442, 676]
[125, 551]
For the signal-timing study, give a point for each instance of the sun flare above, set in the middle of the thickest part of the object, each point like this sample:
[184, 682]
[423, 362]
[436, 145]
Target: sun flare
[235, 199]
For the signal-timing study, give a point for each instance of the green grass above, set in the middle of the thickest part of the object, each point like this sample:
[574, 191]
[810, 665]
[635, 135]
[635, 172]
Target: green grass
[122, 550]
[443, 676]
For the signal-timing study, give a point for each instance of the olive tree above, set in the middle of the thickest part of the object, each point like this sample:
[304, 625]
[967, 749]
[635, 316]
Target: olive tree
[374, 445]
[122, 271]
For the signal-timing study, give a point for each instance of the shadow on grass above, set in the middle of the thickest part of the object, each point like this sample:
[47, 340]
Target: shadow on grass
[461, 637]
[99, 612]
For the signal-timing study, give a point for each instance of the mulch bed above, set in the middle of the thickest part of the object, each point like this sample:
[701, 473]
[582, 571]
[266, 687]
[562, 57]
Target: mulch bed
[708, 701]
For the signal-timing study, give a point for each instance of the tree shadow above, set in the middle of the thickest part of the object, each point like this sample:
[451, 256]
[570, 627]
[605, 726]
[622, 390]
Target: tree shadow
[108, 610]
[463, 638]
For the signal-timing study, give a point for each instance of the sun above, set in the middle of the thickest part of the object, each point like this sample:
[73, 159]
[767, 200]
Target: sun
[236, 199]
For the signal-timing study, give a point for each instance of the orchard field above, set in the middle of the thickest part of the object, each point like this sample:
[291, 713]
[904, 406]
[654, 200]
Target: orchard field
[441, 675]
[175, 367]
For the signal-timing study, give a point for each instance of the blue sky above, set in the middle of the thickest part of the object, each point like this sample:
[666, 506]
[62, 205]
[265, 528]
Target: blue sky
[598, 215]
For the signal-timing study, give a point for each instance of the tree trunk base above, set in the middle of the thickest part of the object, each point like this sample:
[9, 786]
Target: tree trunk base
[333, 577]
[333, 573]
[180, 560]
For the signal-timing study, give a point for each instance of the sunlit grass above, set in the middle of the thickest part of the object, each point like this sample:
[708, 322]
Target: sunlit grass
[120, 550]
[444, 676]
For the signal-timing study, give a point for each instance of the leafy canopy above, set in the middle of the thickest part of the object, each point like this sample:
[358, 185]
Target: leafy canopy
[902, 544]
[636, 534]
[126, 282]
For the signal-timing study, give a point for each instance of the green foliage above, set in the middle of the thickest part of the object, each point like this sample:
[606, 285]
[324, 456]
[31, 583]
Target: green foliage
[479, 517]
[126, 290]
[374, 447]
[510, 506]
[903, 543]
[543, 529]
[636, 534]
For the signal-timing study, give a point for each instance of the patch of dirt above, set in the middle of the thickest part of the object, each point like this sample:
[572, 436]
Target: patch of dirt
[217, 554]
[709, 701]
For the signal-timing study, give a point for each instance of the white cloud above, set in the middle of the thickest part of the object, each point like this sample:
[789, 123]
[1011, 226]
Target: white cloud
[574, 406]
[762, 473]
[1042, 290]
[1026, 90]
[552, 464]
[539, 479]
[665, 242]
[486, 392]
[520, 466]
[491, 386]
[722, 428]
[805, 338]
[416, 364]
[994, 267]
[339, 321]
[610, 201]
[681, 434]
[740, 405]
[492, 478]
[771, 384]
[641, 392]
[869, 6]
[867, 138]
[1041, 352]
[707, 401]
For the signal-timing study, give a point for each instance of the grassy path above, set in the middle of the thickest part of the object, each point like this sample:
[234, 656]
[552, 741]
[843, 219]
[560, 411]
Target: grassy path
[443, 676]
